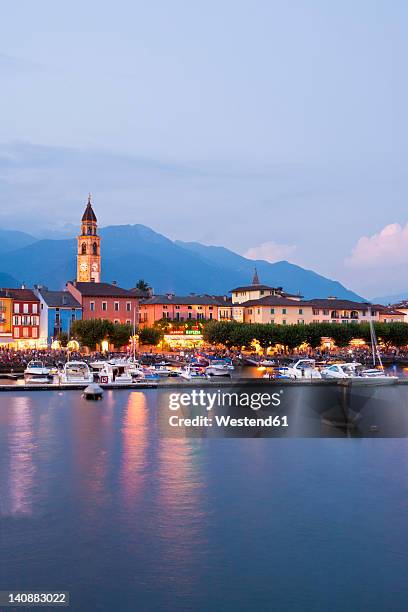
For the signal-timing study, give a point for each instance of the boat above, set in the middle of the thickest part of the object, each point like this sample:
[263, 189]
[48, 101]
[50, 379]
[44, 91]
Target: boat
[267, 363]
[300, 369]
[37, 373]
[113, 373]
[93, 392]
[218, 368]
[76, 372]
[163, 371]
[189, 372]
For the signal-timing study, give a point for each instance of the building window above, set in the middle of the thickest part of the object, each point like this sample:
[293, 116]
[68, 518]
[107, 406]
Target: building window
[92, 306]
[210, 308]
[35, 332]
[190, 315]
[116, 321]
[211, 315]
[284, 322]
[25, 332]
[116, 306]
[272, 320]
[190, 308]
[26, 320]
[94, 249]
[128, 306]
[16, 332]
[35, 308]
[283, 310]
[73, 316]
[325, 312]
[128, 322]
[316, 311]
[300, 321]
[83, 248]
[272, 311]
[177, 307]
[16, 307]
[104, 306]
[300, 310]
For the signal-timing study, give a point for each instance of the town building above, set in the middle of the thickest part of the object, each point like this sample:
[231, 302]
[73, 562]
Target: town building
[180, 308]
[58, 310]
[25, 318]
[393, 314]
[257, 290]
[105, 301]
[6, 310]
[89, 248]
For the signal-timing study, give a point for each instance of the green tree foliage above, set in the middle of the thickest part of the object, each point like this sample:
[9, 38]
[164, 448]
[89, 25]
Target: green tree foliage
[232, 334]
[142, 285]
[120, 335]
[63, 338]
[150, 335]
[92, 332]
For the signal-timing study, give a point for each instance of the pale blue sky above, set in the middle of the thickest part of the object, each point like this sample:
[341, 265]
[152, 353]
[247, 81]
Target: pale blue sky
[284, 121]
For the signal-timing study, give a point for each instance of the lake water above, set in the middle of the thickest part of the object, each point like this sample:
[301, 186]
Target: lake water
[93, 501]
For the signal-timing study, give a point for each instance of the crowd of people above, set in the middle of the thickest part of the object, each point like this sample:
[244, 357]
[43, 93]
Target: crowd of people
[12, 360]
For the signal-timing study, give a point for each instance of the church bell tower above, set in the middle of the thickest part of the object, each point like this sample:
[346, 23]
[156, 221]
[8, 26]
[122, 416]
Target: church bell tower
[89, 248]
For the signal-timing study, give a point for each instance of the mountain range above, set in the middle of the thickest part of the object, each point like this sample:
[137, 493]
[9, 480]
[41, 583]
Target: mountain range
[132, 252]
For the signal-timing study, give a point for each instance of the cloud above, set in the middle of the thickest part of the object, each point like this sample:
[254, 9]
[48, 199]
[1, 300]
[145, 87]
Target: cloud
[270, 251]
[387, 248]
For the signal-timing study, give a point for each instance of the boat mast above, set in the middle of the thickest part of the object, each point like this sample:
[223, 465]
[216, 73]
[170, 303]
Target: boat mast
[374, 346]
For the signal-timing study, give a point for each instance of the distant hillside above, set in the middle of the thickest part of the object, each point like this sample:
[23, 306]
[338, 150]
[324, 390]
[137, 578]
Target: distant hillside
[292, 278]
[131, 252]
[8, 281]
[10, 240]
[390, 299]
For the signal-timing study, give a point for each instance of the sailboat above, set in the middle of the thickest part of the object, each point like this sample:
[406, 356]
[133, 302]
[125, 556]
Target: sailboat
[372, 376]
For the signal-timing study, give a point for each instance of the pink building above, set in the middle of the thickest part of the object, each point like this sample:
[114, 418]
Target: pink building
[105, 301]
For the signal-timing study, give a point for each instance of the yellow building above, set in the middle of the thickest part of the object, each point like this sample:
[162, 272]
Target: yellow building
[6, 307]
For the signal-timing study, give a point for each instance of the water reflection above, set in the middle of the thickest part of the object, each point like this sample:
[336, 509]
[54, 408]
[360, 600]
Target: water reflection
[134, 459]
[18, 469]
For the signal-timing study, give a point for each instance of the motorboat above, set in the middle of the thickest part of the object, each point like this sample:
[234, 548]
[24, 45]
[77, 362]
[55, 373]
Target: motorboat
[300, 369]
[267, 363]
[340, 370]
[189, 372]
[37, 373]
[163, 371]
[353, 372]
[115, 374]
[218, 368]
[76, 372]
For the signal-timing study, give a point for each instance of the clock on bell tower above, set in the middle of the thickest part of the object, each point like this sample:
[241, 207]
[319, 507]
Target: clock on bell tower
[89, 248]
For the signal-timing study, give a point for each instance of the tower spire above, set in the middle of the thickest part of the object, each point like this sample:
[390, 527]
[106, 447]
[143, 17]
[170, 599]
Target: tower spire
[255, 280]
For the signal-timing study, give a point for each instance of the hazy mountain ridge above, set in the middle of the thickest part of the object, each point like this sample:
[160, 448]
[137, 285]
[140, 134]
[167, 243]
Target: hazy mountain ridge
[131, 252]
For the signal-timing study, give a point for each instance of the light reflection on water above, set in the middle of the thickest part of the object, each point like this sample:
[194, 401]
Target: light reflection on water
[93, 501]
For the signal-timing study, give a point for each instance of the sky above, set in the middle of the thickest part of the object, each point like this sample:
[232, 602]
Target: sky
[277, 129]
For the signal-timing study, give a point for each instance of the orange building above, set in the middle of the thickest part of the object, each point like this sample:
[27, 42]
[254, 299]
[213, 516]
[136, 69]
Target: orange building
[180, 308]
[6, 307]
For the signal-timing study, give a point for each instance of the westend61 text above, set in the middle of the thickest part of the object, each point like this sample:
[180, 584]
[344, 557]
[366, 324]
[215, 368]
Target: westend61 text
[227, 421]
[214, 399]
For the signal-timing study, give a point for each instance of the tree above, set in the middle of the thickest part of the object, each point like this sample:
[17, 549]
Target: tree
[91, 332]
[63, 338]
[150, 335]
[120, 334]
[142, 285]
[292, 336]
